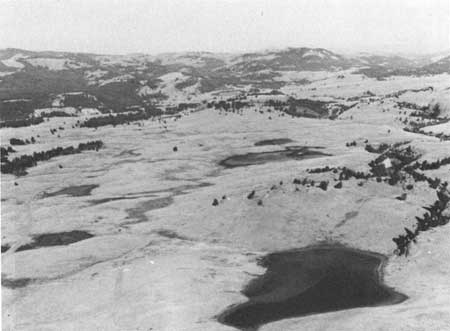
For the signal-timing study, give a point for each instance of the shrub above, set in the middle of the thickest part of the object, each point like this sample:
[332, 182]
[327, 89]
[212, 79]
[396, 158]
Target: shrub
[17, 142]
[323, 185]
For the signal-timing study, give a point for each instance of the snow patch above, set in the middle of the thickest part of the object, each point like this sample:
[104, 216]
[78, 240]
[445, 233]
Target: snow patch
[117, 79]
[56, 64]
[13, 61]
[94, 75]
[145, 90]
[70, 111]
[314, 53]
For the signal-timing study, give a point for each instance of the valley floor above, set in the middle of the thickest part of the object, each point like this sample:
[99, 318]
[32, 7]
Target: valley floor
[163, 257]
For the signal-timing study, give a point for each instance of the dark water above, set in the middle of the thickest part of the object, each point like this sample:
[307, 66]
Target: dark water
[311, 281]
[277, 141]
[75, 191]
[5, 248]
[171, 234]
[15, 283]
[289, 153]
[55, 239]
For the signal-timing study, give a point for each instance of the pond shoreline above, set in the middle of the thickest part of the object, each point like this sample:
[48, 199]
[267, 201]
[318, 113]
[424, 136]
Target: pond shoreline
[311, 280]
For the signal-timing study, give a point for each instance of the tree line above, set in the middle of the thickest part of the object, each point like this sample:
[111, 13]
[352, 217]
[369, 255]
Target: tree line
[434, 217]
[117, 119]
[21, 122]
[18, 165]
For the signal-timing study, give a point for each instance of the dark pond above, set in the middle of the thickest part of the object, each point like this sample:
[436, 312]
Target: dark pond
[55, 239]
[277, 141]
[311, 281]
[5, 248]
[15, 283]
[75, 191]
[289, 153]
[171, 234]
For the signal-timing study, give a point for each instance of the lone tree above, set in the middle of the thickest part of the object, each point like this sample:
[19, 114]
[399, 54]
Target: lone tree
[251, 195]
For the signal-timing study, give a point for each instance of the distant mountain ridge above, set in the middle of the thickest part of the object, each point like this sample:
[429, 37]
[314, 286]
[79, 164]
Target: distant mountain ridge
[121, 82]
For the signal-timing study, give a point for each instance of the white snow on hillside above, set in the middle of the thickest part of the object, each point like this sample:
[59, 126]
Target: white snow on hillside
[117, 79]
[145, 91]
[439, 128]
[56, 64]
[15, 100]
[70, 111]
[93, 76]
[13, 61]
[314, 53]
[442, 98]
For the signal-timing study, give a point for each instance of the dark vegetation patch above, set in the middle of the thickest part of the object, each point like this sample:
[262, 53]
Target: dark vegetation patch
[404, 167]
[11, 110]
[307, 108]
[400, 169]
[21, 142]
[300, 107]
[182, 106]
[138, 213]
[74, 191]
[5, 151]
[276, 141]
[348, 216]
[291, 153]
[15, 283]
[83, 100]
[323, 185]
[312, 183]
[426, 165]
[118, 119]
[434, 217]
[229, 105]
[118, 96]
[106, 200]
[129, 152]
[424, 116]
[320, 170]
[170, 234]
[438, 67]
[18, 165]
[417, 127]
[21, 122]
[309, 281]
[381, 148]
[381, 72]
[153, 193]
[37, 85]
[419, 110]
[188, 82]
[55, 239]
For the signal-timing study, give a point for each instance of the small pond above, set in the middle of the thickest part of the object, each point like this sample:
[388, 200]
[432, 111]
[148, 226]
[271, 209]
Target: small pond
[276, 141]
[289, 153]
[55, 239]
[309, 281]
[74, 191]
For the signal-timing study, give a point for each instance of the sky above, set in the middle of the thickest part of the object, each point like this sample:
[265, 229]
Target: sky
[159, 26]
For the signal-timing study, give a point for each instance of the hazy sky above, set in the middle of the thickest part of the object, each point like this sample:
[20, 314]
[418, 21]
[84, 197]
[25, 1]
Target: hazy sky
[155, 26]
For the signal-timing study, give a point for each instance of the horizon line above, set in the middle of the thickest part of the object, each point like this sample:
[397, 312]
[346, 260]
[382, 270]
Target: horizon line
[235, 52]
